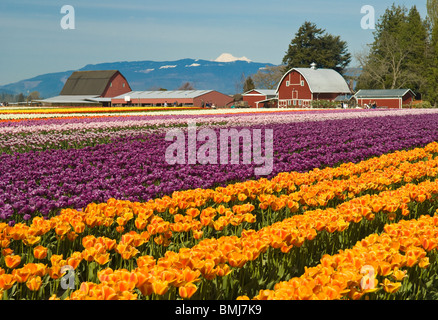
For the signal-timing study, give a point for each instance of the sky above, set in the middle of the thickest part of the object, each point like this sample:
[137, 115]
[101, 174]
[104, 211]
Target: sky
[33, 40]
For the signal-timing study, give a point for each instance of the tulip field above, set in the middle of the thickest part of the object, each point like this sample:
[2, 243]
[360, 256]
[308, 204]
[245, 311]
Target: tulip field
[90, 209]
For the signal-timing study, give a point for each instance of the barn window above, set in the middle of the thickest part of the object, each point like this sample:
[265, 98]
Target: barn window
[302, 83]
[300, 102]
[287, 83]
[295, 102]
[123, 84]
[111, 84]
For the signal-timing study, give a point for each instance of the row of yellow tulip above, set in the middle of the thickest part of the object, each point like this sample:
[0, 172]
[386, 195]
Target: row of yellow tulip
[353, 273]
[212, 257]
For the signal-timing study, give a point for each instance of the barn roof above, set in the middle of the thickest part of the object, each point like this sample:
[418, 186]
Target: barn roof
[383, 93]
[81, 99]
[265, 92]
[322, 80]
[88, 82]
[171, 95]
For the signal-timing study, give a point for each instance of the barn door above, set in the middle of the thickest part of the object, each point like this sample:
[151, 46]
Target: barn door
[294, 94]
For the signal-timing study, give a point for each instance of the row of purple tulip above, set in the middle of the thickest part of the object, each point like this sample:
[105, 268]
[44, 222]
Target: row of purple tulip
[58, 133]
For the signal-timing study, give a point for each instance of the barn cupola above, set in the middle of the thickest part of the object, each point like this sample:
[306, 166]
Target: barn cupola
[313, 66]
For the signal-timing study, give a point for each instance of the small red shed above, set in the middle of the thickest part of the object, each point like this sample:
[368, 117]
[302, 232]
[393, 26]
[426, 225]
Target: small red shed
[259, 98]
[386, 98]
[300, 86]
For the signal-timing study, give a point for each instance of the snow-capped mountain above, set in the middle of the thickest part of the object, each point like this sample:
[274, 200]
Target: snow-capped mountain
[223, 74]
[228, 57]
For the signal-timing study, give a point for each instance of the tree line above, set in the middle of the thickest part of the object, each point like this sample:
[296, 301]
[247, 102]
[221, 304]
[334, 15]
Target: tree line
[403, 54]
[20, 97]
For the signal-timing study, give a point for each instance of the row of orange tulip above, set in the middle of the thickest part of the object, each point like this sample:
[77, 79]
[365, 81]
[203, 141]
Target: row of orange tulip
[352, 273]
[211, 257]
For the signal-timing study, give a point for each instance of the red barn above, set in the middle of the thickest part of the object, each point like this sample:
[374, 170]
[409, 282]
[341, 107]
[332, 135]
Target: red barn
[300, 86]
[196, 98]
[386, 98]
[259, 98]
[105, 83]
[91, 88]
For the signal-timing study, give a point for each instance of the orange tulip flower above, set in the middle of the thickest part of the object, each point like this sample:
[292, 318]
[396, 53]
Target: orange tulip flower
[21, 274]
[7, 281]
[106, 293]
[384, 269]
[55, 272]
[102, 258]
[160, 287]
[424, 262]
[74, 259]
[190, 275]
[187, 291]
[236, 259]
[429, 244]
[12, 261]
[40, 252]
[223, 270]
[140, 224]
[31, 240]
[391, 287]
[145, 261]
[34, 283]
[88, 241]
[398, 274]
[79, 226]
[37, 269]
[145, 287]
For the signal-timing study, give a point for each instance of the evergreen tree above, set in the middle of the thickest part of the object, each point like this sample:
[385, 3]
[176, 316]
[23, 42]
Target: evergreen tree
[397, 56]
[20, 97]
[248, 85]
[431, 93]
[313, 44]
[415, 35]
[432, 12]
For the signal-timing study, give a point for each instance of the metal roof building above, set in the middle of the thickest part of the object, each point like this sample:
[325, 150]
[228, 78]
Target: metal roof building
[71, 99]
[386, 98]
[197, 98]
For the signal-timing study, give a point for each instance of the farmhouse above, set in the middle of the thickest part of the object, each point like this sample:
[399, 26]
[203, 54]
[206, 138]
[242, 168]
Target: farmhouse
[386, 98]
[90, 88]
[259, 98]
[300, 86]
[196, 98]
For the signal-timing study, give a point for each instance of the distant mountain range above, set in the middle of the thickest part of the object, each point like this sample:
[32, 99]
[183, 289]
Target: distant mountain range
[223, 74]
